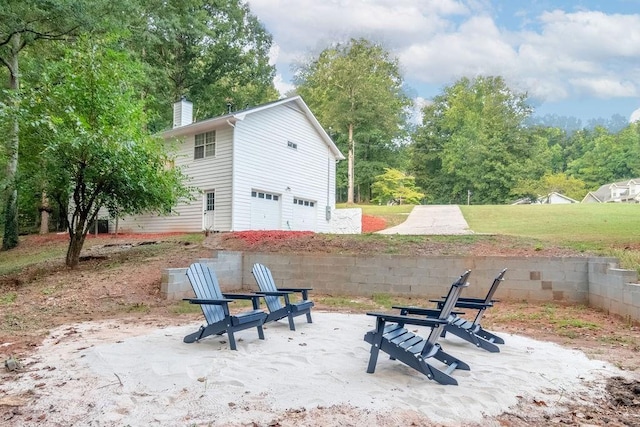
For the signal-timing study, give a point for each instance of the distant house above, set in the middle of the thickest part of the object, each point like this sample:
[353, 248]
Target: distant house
[271, 167]
[552, 198]
[555, 198]
[627, 191]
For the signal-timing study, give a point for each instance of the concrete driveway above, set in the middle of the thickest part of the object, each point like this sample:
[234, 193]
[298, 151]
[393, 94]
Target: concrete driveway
[432, 219]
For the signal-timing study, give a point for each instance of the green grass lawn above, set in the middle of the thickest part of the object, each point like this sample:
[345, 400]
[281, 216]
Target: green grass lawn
[595, 224]
[611, 229]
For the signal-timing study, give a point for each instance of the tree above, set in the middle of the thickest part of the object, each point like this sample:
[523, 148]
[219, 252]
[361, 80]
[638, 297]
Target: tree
[215, 52]
[607, 157]
[395, 187]
[100, 152]
[549, 183]
[352, 86]
[473, 139]
[23, 23]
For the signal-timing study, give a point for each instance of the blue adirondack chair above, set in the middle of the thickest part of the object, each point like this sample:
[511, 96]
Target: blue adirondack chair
[472, 331]
[391, 337]
[278, 299]
[215, 307]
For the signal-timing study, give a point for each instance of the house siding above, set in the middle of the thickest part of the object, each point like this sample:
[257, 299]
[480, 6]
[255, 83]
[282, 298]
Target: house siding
[307, 172]
[208, 174]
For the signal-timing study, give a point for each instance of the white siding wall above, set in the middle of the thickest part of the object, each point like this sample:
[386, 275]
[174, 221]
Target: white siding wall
[263, 161]
[206, 174]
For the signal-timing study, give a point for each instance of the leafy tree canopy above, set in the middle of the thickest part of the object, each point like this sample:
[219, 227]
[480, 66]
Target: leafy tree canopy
[473, 138]
[356, 89]
[99, 151]
[395, 187]
[214, 52]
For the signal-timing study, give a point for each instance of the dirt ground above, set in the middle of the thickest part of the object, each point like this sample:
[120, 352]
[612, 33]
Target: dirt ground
[120, 278]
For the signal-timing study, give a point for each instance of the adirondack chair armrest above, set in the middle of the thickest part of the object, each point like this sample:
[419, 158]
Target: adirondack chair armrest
[240, 296]
[208, 301]
[473, 305]
[418, 321]
[303, 291]
[273, 293]
[255, 299]
[429, 312]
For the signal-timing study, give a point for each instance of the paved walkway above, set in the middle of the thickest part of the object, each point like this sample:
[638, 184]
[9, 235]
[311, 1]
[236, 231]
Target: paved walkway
[432, 219]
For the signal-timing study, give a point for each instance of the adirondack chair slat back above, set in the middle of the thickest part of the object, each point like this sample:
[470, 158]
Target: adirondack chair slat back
[450, 302]
[205, 285]
[267, 284]
[454, 293]
[494, 286]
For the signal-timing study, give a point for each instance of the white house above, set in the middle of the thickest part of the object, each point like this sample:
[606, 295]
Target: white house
[627, 191]
[271, 167]
[555, 198]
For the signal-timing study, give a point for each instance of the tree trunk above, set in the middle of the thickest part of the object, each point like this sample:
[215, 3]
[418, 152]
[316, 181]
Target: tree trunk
[350, 166]
[73, 251]
[77, 233]
[10, 238]
[44, 214]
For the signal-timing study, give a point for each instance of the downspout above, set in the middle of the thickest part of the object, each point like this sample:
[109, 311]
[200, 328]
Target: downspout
[233, 173]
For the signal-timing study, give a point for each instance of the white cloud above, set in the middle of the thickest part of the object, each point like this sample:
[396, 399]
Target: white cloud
[282, 86]
[555, 55]
[605, 87]
[635, 116]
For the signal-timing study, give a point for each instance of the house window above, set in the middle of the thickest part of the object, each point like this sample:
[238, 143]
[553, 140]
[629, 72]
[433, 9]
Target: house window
[301, 202]
[211, 199]
[266, 196]
[292, 145]
[205, 145]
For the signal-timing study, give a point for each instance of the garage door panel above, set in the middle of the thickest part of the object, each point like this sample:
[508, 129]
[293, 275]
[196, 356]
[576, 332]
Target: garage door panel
[265, 211]
[304, 215]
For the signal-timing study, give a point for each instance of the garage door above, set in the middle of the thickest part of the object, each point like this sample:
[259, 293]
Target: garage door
[265, 211]
[304, 215]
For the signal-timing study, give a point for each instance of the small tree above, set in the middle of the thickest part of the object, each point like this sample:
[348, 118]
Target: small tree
[395, 187]
[549, 183]
[99, 152]
[352, 86]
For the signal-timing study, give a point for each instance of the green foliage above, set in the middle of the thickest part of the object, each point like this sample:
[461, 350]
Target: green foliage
[473, 139]
[213, 52]
[99, 151]
[395, 187]
[355, 90]
[607, 157]
[558, 182]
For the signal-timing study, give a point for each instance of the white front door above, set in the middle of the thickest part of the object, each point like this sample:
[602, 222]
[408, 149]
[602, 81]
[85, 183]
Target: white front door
[208, 218]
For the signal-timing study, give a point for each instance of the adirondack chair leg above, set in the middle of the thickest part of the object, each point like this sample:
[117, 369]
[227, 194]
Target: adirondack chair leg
[260, 332]
[451, 361]
[232, 341]
[196, 336]
[292, 325]
[489, 336]
[309, 318]
[376, 343]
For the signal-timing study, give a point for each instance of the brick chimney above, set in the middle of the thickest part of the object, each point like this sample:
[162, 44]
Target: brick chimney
[182, 113]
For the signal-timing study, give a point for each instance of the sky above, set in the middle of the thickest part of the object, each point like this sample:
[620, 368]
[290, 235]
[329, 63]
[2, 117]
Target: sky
[573, 58]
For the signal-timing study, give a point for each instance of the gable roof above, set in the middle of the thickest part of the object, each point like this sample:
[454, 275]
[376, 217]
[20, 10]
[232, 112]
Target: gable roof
[236, 116]
[554, 195]
[603, 194]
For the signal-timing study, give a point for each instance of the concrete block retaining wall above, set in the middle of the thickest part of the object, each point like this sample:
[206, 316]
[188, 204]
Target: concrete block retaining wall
[589, 281]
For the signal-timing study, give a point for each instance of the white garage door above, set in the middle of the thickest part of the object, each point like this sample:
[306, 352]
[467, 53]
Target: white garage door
[265, 211]
[304, 215]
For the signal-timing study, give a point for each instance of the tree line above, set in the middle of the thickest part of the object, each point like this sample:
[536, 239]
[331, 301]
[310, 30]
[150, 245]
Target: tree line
[88, 83]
